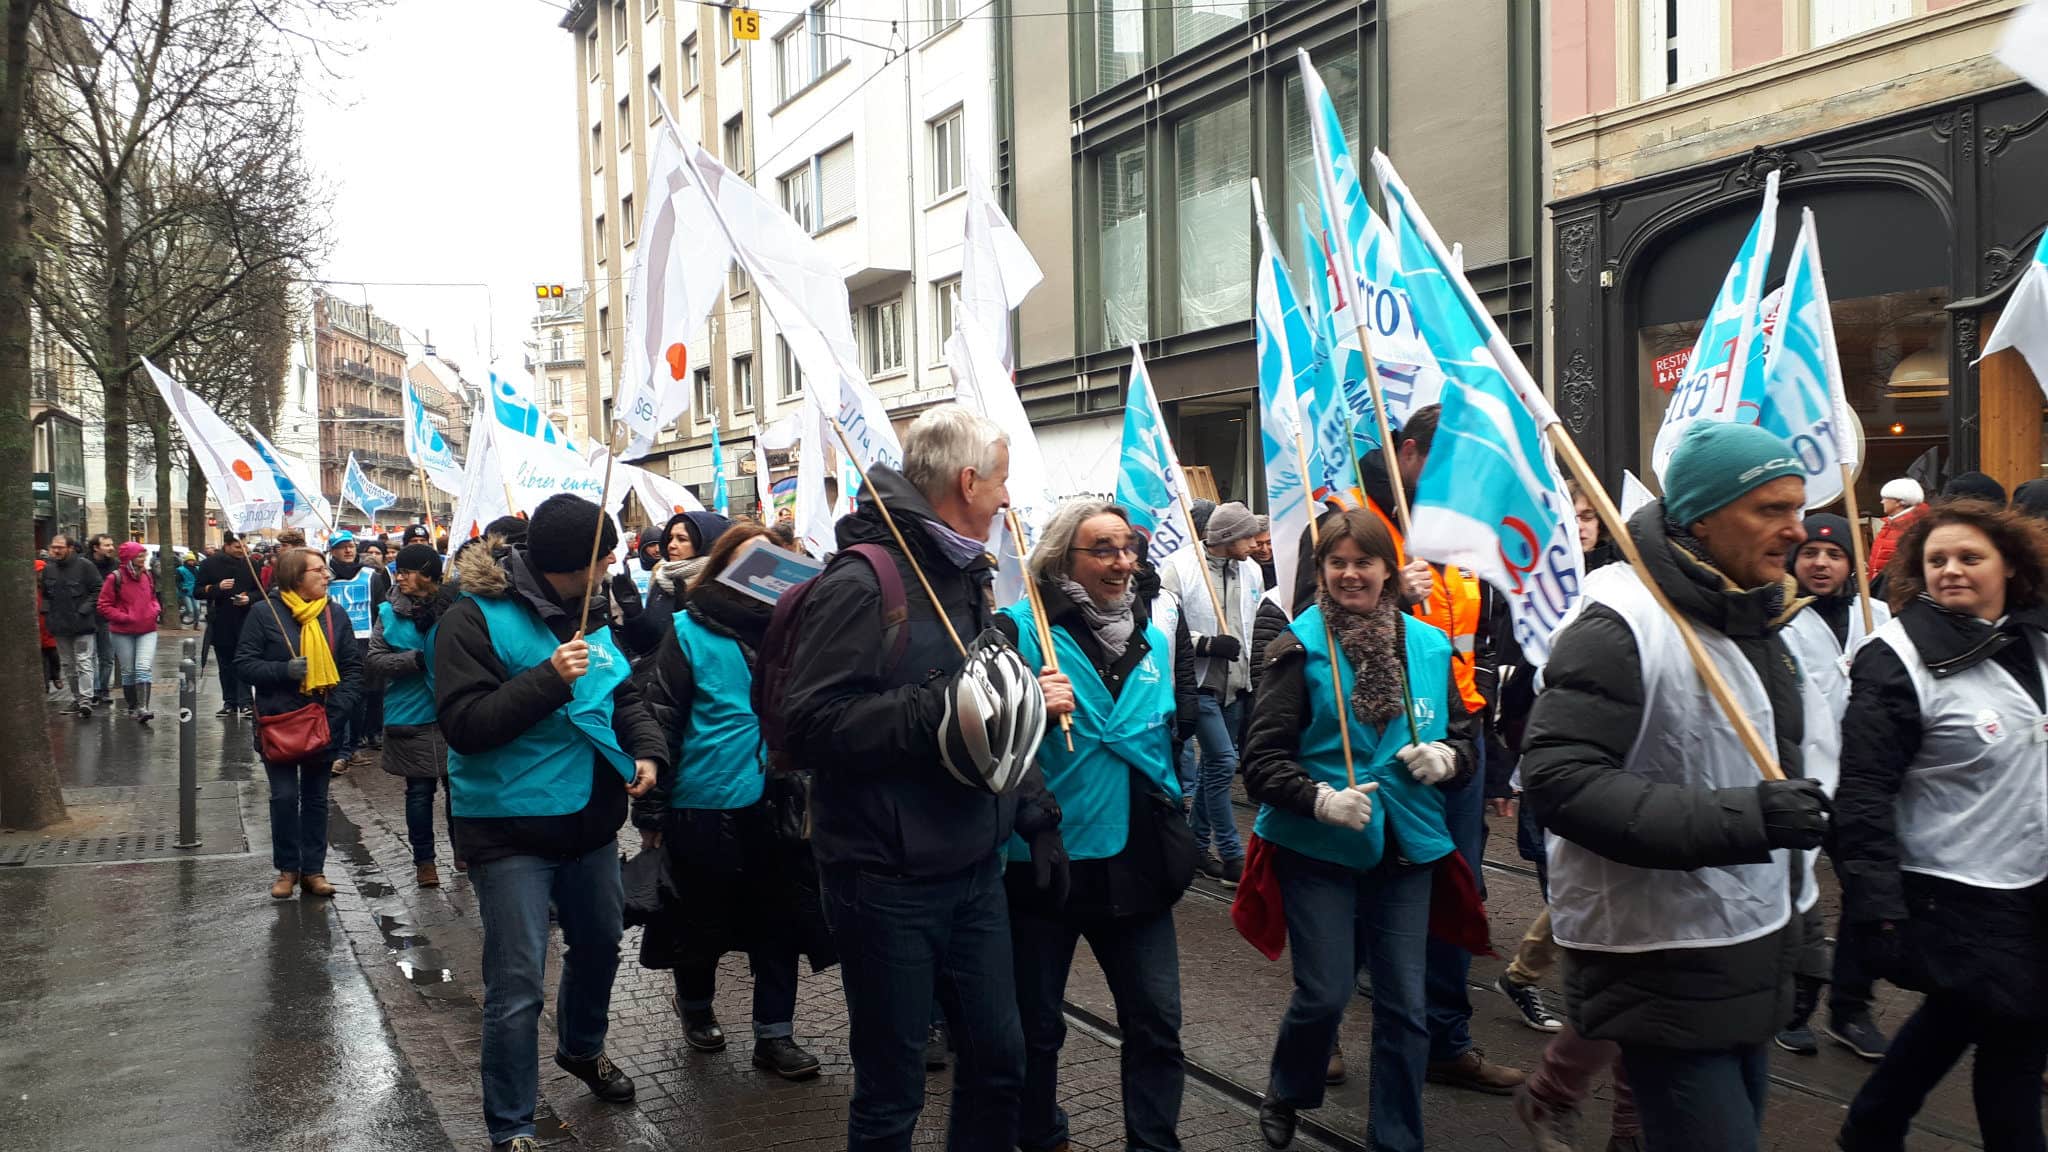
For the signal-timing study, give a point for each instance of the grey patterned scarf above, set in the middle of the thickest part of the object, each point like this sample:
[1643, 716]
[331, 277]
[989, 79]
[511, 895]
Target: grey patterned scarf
[1112, 625]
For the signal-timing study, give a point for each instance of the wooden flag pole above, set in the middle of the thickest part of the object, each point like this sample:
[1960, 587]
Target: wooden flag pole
[1052, 658]
[1315, 539]
[867, 486]
[427, 503]
[1390, 452]
[1187, 516]
[596, 543]
[1856, 541]
[1766, 761]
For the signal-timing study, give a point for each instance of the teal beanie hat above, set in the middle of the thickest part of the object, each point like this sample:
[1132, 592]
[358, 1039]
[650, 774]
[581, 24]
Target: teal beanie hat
[1716, 463]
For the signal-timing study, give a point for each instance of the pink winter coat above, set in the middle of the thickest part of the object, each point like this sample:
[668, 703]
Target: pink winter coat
[127, 600]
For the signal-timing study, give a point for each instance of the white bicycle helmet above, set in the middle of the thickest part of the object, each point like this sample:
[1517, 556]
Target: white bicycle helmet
[994, 719]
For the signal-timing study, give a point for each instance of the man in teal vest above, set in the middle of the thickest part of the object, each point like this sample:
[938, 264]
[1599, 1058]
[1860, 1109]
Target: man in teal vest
[547, 738]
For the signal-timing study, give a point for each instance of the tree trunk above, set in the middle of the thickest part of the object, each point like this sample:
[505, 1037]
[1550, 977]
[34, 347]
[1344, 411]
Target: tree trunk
[30, 796]
[114, 382]
[195, 508]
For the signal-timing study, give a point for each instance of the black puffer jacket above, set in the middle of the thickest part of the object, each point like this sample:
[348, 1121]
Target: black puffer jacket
[1580, 733]
[1928, 933]
[71, 590]
[869, 731]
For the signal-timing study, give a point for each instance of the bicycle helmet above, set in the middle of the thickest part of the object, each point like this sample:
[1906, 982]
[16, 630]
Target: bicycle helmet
[994, 719]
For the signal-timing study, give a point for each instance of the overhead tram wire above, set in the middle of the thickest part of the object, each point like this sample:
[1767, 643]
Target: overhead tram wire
[948, 21]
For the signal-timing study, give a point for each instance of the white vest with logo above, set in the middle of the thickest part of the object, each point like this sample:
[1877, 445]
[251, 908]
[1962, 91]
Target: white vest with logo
[1825, 666]
[1974, 804]
[1602, 905]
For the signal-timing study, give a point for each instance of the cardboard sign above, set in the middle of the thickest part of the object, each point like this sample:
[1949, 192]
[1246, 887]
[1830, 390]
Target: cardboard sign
[765, 572]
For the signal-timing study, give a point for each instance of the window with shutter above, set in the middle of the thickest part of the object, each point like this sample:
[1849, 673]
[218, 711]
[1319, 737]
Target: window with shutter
[1834, 20]
[1678, 44]
[836, 199]
[796, 196]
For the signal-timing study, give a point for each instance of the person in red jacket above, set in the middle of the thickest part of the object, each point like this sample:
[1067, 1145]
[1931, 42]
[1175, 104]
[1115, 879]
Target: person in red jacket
[1903, 501]
[128, 604]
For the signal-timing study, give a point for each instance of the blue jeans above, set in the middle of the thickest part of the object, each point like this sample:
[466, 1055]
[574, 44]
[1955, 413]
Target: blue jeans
[512, 897]
[1335, 916]
[1212, 819]
[1708, 1101]
[298, 816]
[419, 816]
[1141, 960]
[1446, 986]
[775, 975]
[899, 937]
[136, 655]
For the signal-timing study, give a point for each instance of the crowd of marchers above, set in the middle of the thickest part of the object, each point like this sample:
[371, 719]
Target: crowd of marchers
[888, 771]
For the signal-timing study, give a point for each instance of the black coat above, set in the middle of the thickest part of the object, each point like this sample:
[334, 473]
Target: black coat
[71, 592]
[1580, 731]
[261, 654]
[415, 751]
[869, 731]
[223, 616]
[1927, 933]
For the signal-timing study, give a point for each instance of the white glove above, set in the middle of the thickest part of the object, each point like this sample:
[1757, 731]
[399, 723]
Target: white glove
[1431, 763]
[1346, 808]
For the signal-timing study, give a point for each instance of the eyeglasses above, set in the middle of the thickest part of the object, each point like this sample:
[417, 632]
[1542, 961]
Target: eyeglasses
[1108, 553]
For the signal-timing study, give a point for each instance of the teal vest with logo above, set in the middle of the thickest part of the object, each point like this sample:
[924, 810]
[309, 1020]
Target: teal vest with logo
[719, 762]
[1408, 813]
[409, 700]
[545, 771]
[1114, 735]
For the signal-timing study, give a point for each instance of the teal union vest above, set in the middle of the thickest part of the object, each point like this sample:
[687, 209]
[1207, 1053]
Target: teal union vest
[545, 771]
[718, 755]
[1113, 736]
[408, 701]
[1408, 814]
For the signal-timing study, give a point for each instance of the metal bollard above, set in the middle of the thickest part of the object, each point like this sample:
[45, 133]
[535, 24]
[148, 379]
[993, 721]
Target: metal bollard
[188, 745]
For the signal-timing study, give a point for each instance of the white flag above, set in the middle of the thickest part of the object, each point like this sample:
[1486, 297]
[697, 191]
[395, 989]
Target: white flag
[2023, 326]
[304, 506]
[1634, 494]
[996, 271]
[485, 495]
[2025, 47]
[244, 484]
[660, 497]
[981, 382]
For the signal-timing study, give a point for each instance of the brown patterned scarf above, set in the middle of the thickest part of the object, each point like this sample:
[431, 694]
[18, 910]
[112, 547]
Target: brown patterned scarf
[1372, 643]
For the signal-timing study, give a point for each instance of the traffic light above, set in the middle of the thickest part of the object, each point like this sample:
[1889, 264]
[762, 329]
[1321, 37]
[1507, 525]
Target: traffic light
[547, 291]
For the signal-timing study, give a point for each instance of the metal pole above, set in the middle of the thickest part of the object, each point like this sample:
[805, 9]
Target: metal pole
[188, 744]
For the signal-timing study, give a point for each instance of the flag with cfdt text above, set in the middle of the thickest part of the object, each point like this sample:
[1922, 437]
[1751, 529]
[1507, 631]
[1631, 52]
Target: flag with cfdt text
[1149, 483]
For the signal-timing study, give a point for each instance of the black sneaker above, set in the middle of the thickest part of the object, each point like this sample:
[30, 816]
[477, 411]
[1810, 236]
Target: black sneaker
[1859, 1034]
[226, 710]
[1799, 1038]
[1207, 863]
[782, 1056]
[85, 709]
[935, 1046]
[1528, 1000]
[601, 1076]
[1233, 871]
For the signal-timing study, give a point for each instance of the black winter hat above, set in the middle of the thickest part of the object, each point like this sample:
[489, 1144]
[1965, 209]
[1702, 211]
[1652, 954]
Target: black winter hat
[420, 558]
[512, 528]
[1974, 486]
[1828, 528]
[559, 535]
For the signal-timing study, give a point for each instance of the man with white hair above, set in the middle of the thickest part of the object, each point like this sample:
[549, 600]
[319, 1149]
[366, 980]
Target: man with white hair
[1903, 502]
[909, 743]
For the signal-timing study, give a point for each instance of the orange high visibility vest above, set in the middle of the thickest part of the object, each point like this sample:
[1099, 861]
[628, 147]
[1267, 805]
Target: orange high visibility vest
[1453, 606]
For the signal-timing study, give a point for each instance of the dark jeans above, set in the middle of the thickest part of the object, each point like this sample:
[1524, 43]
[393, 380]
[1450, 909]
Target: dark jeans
[103, 675]
[419, 816]
[1141, 960]
[1853, 984]
[1212, 819]
[512, 898]
[774, 971]
[298, 816]
[370, 714]
[899, 937]
[1702, 1101]
[2005, 1078]
[232, 690]
[1335, 917]
[1446, 982]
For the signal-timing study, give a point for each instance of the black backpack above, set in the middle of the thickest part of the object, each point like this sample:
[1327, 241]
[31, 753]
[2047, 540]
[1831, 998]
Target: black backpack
[777, 656]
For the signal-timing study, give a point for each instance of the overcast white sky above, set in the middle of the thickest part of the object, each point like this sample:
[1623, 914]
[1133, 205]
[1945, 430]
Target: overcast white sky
[447, 142]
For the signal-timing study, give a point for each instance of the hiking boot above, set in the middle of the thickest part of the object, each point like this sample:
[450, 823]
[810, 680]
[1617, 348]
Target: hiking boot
[316, 885]
[782, 1056]
[601, 1076]
[1276, 1123]
[1472, 1071]
[1207, 863]
[1859, 1034]
[1334, 1074]
[426, 875]
[1798, 1038]
[1550, 1129]
[701, 1030]
[1233, 871]
[936, 1045]
[281, 888]
[1528, 1000]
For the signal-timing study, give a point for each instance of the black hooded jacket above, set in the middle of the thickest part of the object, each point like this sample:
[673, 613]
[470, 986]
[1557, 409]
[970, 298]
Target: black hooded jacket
[643, 632]
[869, 731]
[1579, 736]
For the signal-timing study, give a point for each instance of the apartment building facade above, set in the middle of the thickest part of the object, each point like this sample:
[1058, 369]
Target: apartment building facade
[1923, 159]
[554, 355]
[360, 359]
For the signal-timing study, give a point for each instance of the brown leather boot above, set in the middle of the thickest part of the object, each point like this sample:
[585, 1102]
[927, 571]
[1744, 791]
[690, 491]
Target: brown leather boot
[1472, 1070]
[316, 885]
[281, 888]
[1335, 1073]
[427, 876]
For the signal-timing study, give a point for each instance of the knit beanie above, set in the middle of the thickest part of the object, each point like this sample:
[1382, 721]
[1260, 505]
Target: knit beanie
[1230, 523]
[2031, 497]
[1974, 486]
[512, 528]
[1199, 512]
[1828, 528]
[1717, 463]
[559, 536]
[420, 558]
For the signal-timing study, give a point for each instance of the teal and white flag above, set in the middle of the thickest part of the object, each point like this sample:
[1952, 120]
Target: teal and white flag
[424, 444]
[2024, 325]
[1149, 483]
[720, 501]
[1289, 359]
[357, 489]
[1712, 387]
[1490, 499]
[304, 506]
[1798, 395]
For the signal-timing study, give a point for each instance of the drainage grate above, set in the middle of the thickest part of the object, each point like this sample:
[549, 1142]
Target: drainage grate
[128, 823]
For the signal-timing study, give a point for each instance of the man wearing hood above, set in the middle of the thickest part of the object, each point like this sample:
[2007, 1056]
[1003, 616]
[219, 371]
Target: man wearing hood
[686, 542]
[1675, 876]
[401, 651]
[547, 739]
[911, 852]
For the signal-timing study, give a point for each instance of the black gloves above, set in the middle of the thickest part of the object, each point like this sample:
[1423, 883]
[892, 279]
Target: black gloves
[1049, 865]
[296, 667]
[1219, 647]
[1795, 813]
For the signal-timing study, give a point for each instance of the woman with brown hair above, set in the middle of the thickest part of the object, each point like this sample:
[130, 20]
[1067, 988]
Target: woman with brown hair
[1941, 820]
[1354, 860]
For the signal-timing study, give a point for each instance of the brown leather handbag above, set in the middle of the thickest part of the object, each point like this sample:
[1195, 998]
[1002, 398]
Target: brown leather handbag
[300, 734]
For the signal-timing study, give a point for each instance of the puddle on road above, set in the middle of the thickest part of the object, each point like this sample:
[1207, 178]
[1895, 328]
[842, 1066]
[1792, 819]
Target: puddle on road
[423, 966]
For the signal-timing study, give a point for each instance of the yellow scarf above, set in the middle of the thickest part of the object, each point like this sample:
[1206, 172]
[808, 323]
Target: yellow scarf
[321, 674]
